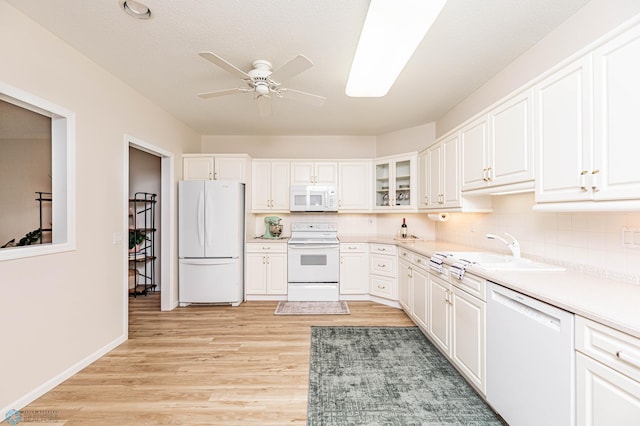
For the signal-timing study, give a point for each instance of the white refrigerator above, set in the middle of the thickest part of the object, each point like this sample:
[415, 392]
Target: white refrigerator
[210, 242]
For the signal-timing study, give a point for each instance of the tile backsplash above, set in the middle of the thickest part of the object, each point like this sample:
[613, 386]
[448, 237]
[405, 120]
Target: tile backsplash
[384, 225]
[590, 242]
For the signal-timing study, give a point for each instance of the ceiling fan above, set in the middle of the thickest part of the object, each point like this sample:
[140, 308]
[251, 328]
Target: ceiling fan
[263, 82]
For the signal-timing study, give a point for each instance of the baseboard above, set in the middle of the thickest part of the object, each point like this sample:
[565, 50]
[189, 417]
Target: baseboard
[387, 302]
[260, 297]
[355, 297]
[56, 380]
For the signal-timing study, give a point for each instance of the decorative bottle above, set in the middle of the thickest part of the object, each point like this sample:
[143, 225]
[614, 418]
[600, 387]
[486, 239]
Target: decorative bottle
[403, 229]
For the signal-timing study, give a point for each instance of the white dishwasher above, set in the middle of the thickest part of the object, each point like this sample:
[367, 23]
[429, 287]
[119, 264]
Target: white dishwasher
[530, 360]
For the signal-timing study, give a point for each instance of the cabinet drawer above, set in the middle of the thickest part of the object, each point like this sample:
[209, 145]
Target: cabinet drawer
[383, 287]
[353, 247]
[266, 247]
[405, 254]
[383, 249]
[613, 348]
[384, 265]
[472, 284]
[420, 261]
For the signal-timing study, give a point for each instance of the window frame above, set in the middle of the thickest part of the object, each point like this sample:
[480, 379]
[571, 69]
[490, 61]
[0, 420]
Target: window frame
[63, 174]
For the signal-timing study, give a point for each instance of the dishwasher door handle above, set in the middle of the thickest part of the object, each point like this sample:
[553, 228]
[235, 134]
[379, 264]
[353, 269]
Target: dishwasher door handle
[519, 305]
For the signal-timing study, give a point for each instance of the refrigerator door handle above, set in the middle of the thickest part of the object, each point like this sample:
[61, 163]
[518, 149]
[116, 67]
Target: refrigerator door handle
[208, 226]
[200, 218]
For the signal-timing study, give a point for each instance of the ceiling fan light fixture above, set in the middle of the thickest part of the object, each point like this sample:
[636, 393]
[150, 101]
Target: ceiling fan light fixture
[136, 9]
[391, 33]
[262, 89]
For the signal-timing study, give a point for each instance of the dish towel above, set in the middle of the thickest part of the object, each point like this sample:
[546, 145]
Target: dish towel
[436, 261]
[459, 267]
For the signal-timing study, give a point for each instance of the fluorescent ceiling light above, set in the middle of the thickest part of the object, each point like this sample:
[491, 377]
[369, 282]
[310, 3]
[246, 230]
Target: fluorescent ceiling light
[392, 31]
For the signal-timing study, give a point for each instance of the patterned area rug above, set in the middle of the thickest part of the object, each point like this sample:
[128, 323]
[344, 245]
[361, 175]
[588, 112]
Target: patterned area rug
[312, 308]
[387, 376]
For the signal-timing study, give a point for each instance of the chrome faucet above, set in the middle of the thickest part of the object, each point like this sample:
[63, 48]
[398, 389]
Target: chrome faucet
[514, 245]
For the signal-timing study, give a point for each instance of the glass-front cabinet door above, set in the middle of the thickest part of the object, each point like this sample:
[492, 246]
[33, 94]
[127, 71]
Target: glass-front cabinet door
[382, 184]
[403, 183]
[395, 182]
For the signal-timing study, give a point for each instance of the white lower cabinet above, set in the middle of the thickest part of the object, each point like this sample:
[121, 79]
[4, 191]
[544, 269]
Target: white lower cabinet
[420, 297]
[354, 268]
[413, 283]
[607, 375]
[383, 271]
[456, 323]
[439, 324]
[405, 285]
[468, 336]
[265, 270]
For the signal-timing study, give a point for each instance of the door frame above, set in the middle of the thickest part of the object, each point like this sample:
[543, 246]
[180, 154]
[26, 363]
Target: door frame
[168, 282]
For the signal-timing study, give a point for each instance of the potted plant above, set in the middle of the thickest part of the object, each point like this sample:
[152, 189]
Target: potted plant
[135, 239]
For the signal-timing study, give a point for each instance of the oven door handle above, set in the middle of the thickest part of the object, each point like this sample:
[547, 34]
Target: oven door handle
[313, 246]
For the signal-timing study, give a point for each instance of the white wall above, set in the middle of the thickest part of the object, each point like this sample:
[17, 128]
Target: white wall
[60, 310]
[406, 140]
[323, 146]
[288, 146]
[588, 24]
[585, 241]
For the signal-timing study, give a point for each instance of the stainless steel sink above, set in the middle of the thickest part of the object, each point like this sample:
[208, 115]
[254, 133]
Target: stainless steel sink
[500, 262]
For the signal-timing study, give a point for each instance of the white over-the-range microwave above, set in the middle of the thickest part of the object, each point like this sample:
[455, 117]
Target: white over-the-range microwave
[313, 198]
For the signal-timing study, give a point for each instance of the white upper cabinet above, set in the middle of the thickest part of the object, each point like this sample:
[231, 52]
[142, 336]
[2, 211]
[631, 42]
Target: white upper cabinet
[497, 149]
[616, 171]
[354, 189]
[511, 142]
[443, 181]
[314, 173]
[270, 186]
[395, 183]
[564, 134]
[474, 144]
[423, 179]
[215, 167]
[586, 117]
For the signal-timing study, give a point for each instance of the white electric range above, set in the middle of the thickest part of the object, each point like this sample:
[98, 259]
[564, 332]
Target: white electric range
[313, 262]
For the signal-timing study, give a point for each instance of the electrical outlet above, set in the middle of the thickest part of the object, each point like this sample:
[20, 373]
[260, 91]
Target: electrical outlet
[630, 237]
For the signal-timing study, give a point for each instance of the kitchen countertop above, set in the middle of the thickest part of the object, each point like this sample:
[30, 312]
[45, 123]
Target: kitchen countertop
[607, 301]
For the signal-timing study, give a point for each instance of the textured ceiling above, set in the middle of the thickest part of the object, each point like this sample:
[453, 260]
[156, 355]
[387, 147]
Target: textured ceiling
[469, 43]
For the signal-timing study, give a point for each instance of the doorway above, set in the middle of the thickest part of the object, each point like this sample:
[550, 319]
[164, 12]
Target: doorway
[150, 170]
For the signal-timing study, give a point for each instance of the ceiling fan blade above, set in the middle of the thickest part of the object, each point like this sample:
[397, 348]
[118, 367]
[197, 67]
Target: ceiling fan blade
[217, 93]
[293, 67]
[264, 106]
[212, 57]
[308, 98]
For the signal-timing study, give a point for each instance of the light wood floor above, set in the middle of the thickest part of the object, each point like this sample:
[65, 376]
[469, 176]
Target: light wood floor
[203, 366]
